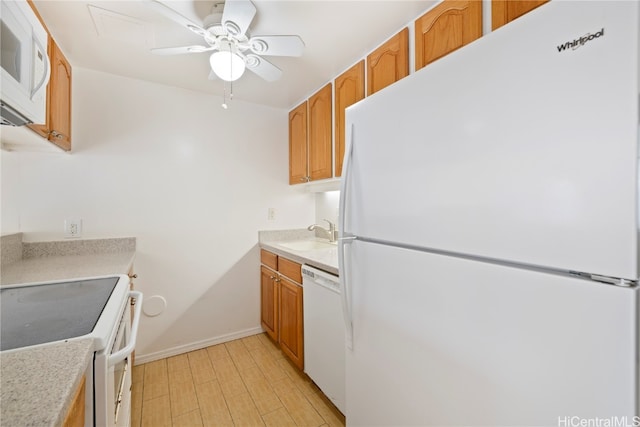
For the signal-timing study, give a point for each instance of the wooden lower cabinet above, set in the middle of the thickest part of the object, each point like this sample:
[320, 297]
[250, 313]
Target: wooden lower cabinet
[281, 308]
[269, 302]
[75, 414]
[291, 332]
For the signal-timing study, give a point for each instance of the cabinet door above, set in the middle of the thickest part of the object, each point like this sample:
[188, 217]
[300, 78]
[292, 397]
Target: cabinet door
[298, 145]
[291, 328]
[349, 87]
[269, 302]
[445, 28]
[76, 412]
[320, 127]
[59, 103]
[388, 63]
[505, 11]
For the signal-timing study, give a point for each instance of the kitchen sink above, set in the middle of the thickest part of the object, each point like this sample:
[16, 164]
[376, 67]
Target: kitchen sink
[307, 245]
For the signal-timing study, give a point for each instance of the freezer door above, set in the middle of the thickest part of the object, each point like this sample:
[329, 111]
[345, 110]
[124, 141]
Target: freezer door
[446, 341]
[513, 148]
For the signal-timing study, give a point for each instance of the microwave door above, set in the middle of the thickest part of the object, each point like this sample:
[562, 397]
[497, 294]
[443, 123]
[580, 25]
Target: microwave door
[10, 53]
[16, 35]
[24, 65]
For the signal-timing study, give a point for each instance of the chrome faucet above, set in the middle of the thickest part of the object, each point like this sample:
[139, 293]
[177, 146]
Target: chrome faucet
[332, 233]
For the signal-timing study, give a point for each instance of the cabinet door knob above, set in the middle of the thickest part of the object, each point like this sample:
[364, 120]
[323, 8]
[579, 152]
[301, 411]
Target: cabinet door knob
[133, 276]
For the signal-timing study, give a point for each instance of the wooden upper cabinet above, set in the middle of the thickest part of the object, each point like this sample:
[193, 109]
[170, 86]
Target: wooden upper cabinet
[445, 28]
[505, 11]
[57, 128]
[320, 127]
[59, 100]
[388, 63]
[298, 145]
[349, 88]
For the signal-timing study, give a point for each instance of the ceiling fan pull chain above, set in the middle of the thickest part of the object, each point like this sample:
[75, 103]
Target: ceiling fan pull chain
[231, 83]
[224, 100]
[224, 96]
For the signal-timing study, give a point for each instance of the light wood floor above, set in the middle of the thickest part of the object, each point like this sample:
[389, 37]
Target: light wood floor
[247, 382]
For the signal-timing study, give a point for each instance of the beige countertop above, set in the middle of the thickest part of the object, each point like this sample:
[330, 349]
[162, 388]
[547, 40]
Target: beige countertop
[325, 259]
[38, 383]
[60, 267]
[67, 259]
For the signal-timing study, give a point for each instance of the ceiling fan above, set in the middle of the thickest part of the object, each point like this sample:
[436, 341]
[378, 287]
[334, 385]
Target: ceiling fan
[226, 33]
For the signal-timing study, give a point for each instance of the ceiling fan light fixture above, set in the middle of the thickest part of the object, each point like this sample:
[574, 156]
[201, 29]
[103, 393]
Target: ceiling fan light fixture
[227, 65]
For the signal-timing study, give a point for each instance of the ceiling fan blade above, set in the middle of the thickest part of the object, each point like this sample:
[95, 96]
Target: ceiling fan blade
[237, 16]
[276, 45]
[263, 68]
[178, 18]
[180, 50]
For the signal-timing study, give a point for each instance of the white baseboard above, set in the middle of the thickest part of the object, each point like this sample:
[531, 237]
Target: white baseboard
[174, 351]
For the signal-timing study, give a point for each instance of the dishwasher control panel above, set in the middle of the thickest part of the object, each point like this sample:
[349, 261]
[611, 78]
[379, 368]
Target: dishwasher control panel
[322, 278]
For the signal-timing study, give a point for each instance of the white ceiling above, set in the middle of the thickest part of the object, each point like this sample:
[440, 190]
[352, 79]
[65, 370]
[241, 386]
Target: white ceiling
[336, 35]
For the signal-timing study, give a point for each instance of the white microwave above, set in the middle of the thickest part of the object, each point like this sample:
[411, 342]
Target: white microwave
[24, 65]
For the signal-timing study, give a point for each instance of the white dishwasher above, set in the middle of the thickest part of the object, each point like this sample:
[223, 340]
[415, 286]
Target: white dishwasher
[324, 333]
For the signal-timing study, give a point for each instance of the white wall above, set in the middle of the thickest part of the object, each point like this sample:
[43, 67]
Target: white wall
[190, 180]
[327, 204]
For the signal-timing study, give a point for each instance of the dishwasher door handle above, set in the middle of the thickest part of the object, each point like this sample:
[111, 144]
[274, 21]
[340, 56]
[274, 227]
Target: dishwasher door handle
[332, 286]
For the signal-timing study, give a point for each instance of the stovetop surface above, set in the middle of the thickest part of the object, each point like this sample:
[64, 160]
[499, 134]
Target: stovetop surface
[42, 313]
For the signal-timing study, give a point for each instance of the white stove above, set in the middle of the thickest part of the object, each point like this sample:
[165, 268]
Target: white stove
[39, 314]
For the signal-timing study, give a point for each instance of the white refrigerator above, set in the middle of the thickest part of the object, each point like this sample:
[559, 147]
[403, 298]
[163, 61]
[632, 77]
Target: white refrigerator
[489, 230]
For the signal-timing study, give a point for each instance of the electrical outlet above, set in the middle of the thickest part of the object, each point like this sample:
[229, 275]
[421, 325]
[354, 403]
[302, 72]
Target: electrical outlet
[72, 228]
[271, 214]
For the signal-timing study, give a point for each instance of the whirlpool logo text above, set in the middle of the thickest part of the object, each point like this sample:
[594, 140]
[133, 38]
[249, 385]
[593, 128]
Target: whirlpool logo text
[580, 41]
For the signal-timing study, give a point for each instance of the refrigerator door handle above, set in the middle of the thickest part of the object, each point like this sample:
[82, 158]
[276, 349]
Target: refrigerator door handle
[342, 241]
[346, 169]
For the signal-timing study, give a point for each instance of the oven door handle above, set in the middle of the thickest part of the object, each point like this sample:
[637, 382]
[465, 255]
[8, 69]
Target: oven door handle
[123, 353]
